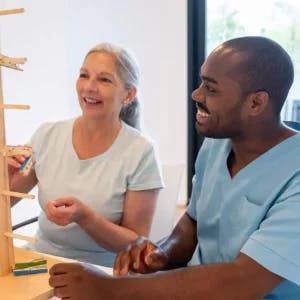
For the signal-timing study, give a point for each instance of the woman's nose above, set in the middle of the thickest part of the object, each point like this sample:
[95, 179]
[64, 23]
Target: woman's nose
[91, 85]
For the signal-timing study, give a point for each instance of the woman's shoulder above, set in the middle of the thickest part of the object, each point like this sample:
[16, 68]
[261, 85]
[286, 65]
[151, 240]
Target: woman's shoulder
[133, 136]
[47, 127]
[47, 130]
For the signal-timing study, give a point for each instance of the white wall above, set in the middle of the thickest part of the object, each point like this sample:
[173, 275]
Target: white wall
[55, 34]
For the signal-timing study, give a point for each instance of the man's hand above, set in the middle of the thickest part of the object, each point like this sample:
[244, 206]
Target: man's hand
[78, 281]
[141, 257]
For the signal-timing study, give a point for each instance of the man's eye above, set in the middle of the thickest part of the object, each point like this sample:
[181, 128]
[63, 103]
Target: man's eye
[209, 89]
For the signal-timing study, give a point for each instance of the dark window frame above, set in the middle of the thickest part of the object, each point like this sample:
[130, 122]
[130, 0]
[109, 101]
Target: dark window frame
[196, 11]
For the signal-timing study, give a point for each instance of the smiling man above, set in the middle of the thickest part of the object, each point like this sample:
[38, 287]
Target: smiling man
[243, 217]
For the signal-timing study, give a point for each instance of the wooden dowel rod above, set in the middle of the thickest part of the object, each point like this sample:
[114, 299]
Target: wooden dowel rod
[20, 237]
[17, 194]
[14, 106]
[11, 11]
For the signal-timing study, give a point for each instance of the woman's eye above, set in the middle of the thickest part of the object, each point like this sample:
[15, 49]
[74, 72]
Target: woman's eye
[104, 79]
[83, 75]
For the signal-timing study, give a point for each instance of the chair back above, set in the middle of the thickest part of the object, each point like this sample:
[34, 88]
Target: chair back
[165, 212]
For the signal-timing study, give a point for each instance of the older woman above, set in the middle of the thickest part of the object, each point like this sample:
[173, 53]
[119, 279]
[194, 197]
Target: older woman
[98, 177]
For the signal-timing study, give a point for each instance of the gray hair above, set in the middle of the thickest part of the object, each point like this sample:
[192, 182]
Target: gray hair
[129, 72]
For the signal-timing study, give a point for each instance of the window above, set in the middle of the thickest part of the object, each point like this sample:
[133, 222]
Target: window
[276, 19]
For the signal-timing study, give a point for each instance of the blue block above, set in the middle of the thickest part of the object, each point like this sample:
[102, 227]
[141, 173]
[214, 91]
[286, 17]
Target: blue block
[30, 271]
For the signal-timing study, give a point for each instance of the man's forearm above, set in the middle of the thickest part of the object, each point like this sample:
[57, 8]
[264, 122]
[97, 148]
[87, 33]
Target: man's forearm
[181, 244]
[216, 281]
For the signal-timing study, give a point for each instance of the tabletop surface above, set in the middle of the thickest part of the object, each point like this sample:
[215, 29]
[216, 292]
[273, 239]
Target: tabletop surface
[30, 287]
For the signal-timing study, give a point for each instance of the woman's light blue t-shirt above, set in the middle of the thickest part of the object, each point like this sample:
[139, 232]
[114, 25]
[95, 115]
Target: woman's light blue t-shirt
[131, 163]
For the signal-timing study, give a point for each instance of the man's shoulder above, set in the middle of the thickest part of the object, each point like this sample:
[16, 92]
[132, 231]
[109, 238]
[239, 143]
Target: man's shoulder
[289, 149]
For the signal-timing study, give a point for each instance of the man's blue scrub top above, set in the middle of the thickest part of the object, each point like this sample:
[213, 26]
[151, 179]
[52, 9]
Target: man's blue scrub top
[256, 212]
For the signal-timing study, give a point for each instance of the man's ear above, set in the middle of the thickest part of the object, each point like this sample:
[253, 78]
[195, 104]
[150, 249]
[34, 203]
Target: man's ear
[258, 102]
[131, 93]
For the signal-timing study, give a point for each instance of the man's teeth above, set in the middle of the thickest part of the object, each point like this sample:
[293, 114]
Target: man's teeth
[203, 114]
[89, 100]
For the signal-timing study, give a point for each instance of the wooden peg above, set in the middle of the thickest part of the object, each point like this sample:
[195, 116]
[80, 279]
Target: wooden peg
[12, 62]
[11, 11]
[20, 237]
[14, 106]
[17, 194]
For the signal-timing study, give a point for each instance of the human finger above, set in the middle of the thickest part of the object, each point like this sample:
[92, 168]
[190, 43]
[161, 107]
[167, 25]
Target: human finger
[122, 263]
[58, 280]
[156, 259]
[15, 161]
[62, 268]
[63, 201]
[137, 254]
[130, 259]
[62, 292]
[57, 215]
[51, 210]
[56, 210]
[133, 258]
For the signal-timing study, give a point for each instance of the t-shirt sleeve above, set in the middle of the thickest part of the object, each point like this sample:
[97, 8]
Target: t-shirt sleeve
[37, 140]
[191, 209]
[147, 174]
[276, 243]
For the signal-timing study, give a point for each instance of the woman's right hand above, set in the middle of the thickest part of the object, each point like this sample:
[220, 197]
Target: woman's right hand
[14, 164]
[15, 161]
[143, 256]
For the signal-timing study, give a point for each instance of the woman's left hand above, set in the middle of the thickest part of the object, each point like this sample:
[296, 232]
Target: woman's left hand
[63, 211]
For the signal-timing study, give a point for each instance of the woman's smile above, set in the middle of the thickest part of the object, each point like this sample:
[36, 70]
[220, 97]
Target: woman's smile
[91, 101]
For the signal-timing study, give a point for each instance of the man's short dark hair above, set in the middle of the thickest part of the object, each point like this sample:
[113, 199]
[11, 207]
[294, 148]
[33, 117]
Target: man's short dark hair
[267, 66]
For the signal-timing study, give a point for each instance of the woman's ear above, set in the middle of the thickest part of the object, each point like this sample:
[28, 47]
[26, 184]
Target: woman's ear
[258, 102]
[131, 93]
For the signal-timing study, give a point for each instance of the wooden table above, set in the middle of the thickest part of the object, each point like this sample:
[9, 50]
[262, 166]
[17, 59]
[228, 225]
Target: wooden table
[30, 287]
